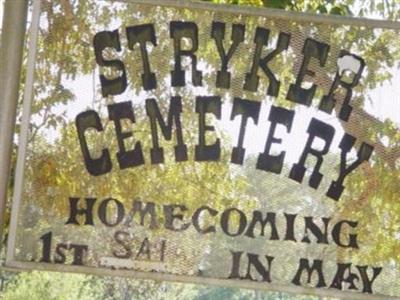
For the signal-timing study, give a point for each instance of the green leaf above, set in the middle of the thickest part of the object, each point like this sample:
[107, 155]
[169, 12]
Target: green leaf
[336, 11]
[322, 9]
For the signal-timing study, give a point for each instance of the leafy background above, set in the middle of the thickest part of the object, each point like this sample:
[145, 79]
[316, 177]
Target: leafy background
[72, 53]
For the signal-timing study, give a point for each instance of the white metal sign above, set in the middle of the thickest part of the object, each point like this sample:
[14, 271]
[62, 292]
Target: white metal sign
[211, 144]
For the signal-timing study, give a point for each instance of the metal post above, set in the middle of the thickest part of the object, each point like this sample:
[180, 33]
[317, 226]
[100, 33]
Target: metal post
[12, 42]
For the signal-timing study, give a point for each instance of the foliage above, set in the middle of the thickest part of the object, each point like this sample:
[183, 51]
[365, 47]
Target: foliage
[52, 286]
[67, 56]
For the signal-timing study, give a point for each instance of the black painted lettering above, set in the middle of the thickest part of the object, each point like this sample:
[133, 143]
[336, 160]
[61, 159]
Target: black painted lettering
[312, 49]
[171, 216]
[247, 109]
[204, 105]
[144, 249]
[336, 188]
[254, 261]
[304, 266]
[218, 34]
[347, 62]
[142, 34]
[105, 217]
[290, 223]
[175, 110]
[198, 215]
[59, 255]
[316, 129]
[258, 219]
[46, 247]
[95, 166]
[266, 161]
[126, 159]
[321, 235]
[179, 31]
[344, 274]
[337, 233]
[122, 238]
[74, 211]
[79, 253]
[367, 282]
[146, 209]
[235, 269]
[103, 40]
[261, 40]
[228, 218]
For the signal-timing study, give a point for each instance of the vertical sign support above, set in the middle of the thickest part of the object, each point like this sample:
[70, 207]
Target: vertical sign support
[12, 41]
[26, 112]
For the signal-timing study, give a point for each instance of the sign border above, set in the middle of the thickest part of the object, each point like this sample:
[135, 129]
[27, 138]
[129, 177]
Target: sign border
[15, 266]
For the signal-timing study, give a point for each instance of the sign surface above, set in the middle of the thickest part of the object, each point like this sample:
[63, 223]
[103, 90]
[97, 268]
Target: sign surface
[213, 144]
